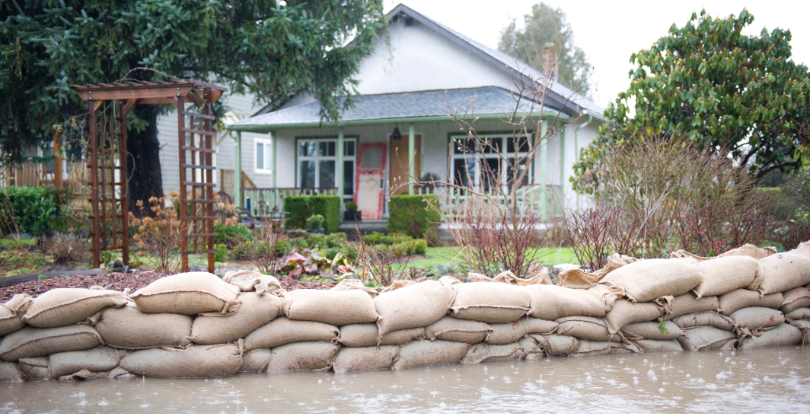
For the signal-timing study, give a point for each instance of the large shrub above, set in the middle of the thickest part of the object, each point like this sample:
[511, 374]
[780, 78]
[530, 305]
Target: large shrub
[32, 210]
[231, 235]
[410, 214]
[302, 207]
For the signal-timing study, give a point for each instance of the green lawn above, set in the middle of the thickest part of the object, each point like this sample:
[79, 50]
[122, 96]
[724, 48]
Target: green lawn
[441, 255]
[7, 243]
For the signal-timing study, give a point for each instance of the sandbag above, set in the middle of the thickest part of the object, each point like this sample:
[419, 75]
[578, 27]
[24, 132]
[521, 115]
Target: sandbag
[187, 294]
[11, 313]
[366, 334]
[531, 348]
[254, 311]
[303, 356]
[130, 328]
[10, 372]
[414, 306]
[625, 312]
[283, 331]
[538, 276]
[355, 284]
[458, 330]
[83, 375]
[196, 361]
[647, 280]
[251, 280]
[801, 324]
[615, 261]
[585, 327]
[671, 345]
[683, 254]
[332, 307]
[799, 314]
[427, 353]
[578, 279]
[784, 271]
[66, 306]
[593, 348]
[118, 373]
[365, 359]
[695, 320]
[743, 298]
[557, 345]
[98, 359]
[782, 335]
[750, 250]
[32, 342]
[688, 303]
[398, 284]
[794, 299]
[552, 302]
[490, 302]
[757, 318]
[724, 274]
[256, 360]
[506, 333]
[34, 368]
[486, 353]
[652, 331]
[707, 338]
[449, 280]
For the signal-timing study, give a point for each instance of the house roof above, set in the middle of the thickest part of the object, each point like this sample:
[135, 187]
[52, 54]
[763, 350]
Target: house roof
[413, 106]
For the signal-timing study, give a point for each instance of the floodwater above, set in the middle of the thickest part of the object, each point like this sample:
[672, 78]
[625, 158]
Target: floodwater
[770, 380]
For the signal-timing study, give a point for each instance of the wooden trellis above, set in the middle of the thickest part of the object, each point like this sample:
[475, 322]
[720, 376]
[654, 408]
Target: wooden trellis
[108, 161]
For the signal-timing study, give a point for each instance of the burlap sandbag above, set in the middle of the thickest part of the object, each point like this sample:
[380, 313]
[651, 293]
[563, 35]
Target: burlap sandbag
[365, 359]
[751, 251]
[490, 302]
[578, 279]
[398, 284]
[487, 353]
[683, 254]
[251, 280]
[757, 318]
[366, 334]
[557, 345]
[646, 280]
[187, 294]
[652, 330]
[256, 360]
[118, 373]
[66, 306]
[327, 306]
[585, 327]
[626, 312]
[801, 324]
[355, 284]
[130, 328]
[303, 356]
[458, 330]
[794, 299]
[32, 342]
[283, 331]
[506, 333]
[594, 348]
[713, 319]
[34, 368]
[782, 335]
[254, 311]
[725, 274]
[743, 298]
[615, 261]
[9, 372]
[11, 313]
[99, 359]
[539, 278]
[798, 314]
[784, 271]
[552, 302]
[688, 303]
[427, 353]
[707, 338]
[531, 348]
[449, 280]
[649, 345]
[196, 361]
[414, 306]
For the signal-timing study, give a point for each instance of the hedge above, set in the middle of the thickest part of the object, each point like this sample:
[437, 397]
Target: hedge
[409, 214]
[35, 209]
[301, 207]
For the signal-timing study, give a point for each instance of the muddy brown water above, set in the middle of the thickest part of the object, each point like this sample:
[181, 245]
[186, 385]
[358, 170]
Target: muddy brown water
[770, 380]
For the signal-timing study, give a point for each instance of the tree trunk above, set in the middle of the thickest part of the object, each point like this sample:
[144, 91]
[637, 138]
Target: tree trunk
[143, 166]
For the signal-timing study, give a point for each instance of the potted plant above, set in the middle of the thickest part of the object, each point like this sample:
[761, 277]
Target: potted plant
[315, 224]
[351, 213]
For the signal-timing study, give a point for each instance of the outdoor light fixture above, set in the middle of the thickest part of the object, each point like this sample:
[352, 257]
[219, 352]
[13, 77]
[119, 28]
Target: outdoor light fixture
[396, 134]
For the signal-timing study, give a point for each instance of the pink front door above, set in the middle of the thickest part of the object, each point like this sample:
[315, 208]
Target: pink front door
[369, 179]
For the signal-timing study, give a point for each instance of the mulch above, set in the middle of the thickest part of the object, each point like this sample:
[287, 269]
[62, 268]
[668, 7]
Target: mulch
[121, 281]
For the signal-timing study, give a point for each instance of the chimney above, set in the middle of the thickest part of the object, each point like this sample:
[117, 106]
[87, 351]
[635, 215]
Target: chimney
[550, 60]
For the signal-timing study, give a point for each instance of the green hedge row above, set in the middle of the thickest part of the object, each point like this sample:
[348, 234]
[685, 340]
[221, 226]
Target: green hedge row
[301, 207]
[410, 214]
[35, 209]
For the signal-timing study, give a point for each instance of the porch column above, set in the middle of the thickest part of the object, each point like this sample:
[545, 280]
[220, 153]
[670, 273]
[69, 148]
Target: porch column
[339, 178]
[411, 151]
[273, 158]
[543, 168]
[562, 165]
[237, 171]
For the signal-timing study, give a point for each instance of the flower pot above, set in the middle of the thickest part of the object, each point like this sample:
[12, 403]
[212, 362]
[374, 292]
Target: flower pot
[352, 215]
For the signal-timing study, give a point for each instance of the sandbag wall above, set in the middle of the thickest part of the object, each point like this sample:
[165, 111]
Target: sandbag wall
[198, 325]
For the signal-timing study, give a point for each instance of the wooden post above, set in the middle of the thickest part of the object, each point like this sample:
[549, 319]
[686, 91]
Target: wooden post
[91, 119]
[122, 180]
[209, 179]
[340, 172]
[181, 142]
[57, 160]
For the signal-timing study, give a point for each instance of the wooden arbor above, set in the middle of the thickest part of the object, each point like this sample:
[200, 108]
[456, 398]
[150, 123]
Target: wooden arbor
[108, 161]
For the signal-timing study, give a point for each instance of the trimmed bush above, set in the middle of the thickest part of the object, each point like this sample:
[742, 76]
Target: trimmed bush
[231, 235]
[327, 241]
[409, 214]
[376, 238]
[302, 207]
[36, 209]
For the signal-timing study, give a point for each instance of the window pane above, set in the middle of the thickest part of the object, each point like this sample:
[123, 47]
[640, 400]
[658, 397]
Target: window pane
[490, 173]
[326, 173]
[307, 149]
[495, 145]
[464, 171]
[523, 143]
[463, 146]
[372, 158]
[330, 149]
[510, 170]
[349, 149]
[259, 156]
[321, 149]
[307, 171]
[348, 177]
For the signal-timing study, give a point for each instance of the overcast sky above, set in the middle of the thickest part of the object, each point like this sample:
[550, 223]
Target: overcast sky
[609, 31]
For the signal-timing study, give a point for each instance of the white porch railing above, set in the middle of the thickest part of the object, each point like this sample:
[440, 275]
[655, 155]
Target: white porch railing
[263, 200]
[456, 201]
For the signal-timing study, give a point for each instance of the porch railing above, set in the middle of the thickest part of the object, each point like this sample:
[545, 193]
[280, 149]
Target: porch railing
[263, 200]
[226, 181]
[455, 201]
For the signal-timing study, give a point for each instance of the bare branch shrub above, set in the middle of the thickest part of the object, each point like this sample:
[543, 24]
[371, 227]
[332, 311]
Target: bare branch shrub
[67, 248]
[158, 233]
[599, 231]
[382, 264]
[271, 246]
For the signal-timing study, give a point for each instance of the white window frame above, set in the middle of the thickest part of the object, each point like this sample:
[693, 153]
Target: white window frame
[316, 158]
[268, 154]
[480, 157]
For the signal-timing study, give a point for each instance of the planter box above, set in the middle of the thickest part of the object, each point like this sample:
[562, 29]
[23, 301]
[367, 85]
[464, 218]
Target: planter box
[352, 215]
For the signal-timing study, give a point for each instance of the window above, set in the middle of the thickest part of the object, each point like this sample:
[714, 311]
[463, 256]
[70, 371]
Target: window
[470, 164]
[317, 164]
[262, 153]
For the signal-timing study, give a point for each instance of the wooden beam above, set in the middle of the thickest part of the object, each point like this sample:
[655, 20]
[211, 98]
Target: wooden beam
[128, 106]
[157, 91]
[196, 96]
[96, 105]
